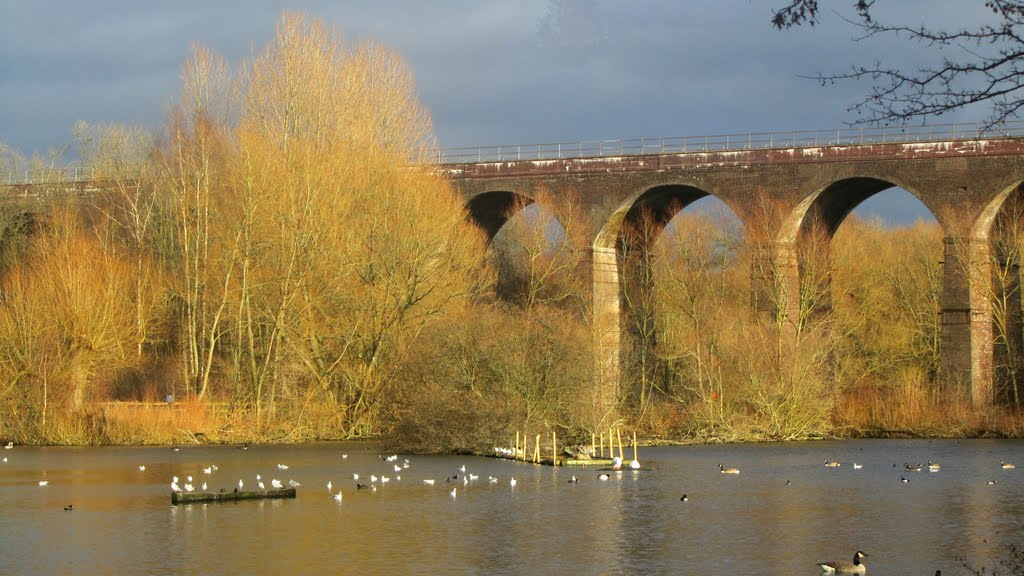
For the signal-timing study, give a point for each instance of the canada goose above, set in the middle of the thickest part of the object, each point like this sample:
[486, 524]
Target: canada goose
[843, 567]
[724, 470]
[69, 507]
[831, 463]
[933, 467]
[909, 468]
[1006, 465]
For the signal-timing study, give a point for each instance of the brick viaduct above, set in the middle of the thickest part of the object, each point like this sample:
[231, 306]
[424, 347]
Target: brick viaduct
[966, 183]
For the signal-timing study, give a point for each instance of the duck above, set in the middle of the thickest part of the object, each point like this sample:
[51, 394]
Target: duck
[683, 498]
[1006, 465]
[857, 466]
[993, 482]
[429, 481]
[295, 484]
[904, 479]
[174, 485]
[361, 486]
[909, 468]
[831, 463]
[44, 482]
[724, 470]
[844, 567]
[574, 480]
[934, 467]
[603, 477]
[69, 508]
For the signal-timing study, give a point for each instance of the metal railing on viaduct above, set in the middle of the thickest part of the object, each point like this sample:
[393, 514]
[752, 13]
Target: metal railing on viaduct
[849, 136]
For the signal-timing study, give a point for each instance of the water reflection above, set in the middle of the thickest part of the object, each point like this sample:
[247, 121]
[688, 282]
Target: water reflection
[634, 522]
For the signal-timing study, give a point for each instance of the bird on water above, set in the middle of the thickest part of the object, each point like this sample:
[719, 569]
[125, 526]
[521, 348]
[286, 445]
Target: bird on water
[844, 567]
[724, 470]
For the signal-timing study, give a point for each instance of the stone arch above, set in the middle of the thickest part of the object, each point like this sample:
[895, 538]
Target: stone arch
[832, 203]
[991, 260]
[652, 207]
[490, 210]
[661, 202]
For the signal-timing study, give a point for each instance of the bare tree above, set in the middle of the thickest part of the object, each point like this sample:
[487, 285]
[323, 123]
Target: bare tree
[983, 64]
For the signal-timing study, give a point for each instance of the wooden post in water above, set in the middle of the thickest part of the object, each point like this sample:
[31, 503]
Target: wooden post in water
[634, 446]
[554, 448]
[593, 444]
[536, 451]
[621, 454]
[611, 443]
[515, 453]
[600, 452]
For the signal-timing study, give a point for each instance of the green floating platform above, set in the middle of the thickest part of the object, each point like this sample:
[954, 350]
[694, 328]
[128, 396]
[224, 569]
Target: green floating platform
[199, 497]
[599, 462]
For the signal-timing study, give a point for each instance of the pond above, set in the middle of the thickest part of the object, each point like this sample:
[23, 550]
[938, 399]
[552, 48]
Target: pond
[782, 514]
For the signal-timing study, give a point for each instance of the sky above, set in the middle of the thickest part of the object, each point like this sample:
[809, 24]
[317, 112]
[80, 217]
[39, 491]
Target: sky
[491, 72]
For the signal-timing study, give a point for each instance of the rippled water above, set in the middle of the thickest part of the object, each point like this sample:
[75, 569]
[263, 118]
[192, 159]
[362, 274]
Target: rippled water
[633, 523]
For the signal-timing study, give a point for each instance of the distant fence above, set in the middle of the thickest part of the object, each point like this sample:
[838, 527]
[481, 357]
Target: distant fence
[849, 136]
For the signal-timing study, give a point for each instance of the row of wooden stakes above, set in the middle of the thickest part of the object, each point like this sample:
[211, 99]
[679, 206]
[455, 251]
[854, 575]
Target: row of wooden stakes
[597, 441]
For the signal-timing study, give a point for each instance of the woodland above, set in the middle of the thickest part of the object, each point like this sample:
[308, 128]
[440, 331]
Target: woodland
[283, 263]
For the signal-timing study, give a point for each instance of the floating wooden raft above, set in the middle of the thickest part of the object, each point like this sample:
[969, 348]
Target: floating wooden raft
[197, 497]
